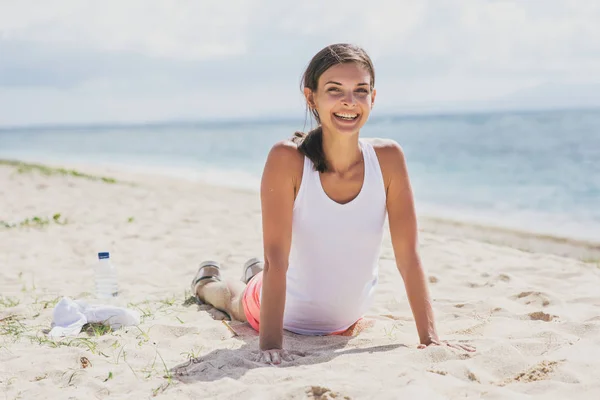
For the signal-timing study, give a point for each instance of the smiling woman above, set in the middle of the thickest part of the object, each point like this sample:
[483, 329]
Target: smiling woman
[352, 66]
[325, 196]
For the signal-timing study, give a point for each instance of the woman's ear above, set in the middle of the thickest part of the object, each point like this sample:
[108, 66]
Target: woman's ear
[310, 98]
[373, 97]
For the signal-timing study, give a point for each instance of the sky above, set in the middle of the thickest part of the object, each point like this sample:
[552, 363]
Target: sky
[84, 62]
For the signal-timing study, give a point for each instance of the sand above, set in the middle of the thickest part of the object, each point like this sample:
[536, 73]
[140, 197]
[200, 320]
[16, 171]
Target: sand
[534, 315]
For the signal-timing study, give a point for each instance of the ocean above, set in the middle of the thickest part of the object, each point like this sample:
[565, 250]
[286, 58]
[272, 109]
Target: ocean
[533, 171]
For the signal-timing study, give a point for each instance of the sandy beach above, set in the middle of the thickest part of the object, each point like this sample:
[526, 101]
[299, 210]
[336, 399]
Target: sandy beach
[530, 304]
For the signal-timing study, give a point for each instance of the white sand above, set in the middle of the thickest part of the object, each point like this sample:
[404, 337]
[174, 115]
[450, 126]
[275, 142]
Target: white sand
[534, 317]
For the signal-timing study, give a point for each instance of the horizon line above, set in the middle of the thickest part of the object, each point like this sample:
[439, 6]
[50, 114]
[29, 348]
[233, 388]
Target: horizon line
[265, 118]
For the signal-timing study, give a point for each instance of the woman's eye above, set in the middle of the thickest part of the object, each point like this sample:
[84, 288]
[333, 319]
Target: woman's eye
[333, 89]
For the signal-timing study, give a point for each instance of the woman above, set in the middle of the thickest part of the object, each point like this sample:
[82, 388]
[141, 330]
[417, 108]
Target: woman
[324, 199]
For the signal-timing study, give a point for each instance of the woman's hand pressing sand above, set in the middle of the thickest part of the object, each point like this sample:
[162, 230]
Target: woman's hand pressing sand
[276, 356]
[437, 342]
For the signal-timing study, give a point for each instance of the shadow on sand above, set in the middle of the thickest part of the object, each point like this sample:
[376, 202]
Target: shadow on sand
[234, 363]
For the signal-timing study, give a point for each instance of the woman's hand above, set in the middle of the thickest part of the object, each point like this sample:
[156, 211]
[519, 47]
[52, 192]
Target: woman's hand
[437, 342]
[276, 356]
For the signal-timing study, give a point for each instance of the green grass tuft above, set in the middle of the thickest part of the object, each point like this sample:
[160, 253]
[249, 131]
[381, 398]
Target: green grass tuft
[110, 376]
[47, 303]
[96, 329]
[36, 222]
[8, 302]
[11, 327]
[168, 301]
[23, 168]
[84, 343]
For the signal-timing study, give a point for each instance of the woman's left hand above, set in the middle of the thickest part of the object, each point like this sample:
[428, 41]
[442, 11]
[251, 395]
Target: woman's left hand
[437, 342]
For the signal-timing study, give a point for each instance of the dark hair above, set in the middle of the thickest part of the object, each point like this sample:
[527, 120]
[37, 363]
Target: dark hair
[311, 144]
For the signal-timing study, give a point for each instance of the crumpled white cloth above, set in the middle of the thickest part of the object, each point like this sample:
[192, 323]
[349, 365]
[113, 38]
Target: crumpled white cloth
[69, 316]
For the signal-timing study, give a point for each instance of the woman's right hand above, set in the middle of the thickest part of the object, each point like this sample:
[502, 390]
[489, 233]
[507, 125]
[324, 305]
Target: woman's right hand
[276, 356]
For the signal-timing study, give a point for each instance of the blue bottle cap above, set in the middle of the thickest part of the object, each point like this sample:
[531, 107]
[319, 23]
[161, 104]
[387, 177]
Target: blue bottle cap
[103, 255]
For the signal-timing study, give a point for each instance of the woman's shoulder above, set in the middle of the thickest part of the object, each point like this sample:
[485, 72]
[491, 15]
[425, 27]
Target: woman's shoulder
[286, 149]
[285, 154]
[286, 145]
[387, 150]
[390, 157]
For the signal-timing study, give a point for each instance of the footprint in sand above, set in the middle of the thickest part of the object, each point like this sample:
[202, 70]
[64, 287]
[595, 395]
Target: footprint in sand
[538, 372]
[541, 316]
[323, 393]
[434, 371]
[539, 299]
[490, 282]
[472, 377]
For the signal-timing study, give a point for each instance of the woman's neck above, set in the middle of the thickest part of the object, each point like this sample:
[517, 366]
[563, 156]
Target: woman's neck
[342, 152]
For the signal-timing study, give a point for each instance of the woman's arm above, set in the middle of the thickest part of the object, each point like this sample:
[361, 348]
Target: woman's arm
[277, 199]
[403, 230]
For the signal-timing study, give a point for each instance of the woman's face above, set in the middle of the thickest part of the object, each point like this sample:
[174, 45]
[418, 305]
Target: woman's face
[343, 98]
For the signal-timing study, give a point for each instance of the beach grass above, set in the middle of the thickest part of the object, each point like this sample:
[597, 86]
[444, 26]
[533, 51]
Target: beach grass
[80, 342]
[98, 340]
[113, 351]
[193, 353]
[36, 222]
[12, 327]
[168, 375]
[592, 260]
[109, 377]
[96, 329]
[47, 303]
[8, 302]
[24, 167]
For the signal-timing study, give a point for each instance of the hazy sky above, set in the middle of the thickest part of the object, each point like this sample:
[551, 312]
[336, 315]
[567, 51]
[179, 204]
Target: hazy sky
[144, 60]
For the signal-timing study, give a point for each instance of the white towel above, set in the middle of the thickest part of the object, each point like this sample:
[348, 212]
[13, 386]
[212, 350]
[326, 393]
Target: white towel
[69, 316]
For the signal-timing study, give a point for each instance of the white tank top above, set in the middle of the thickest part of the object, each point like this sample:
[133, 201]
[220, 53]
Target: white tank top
[333, 264]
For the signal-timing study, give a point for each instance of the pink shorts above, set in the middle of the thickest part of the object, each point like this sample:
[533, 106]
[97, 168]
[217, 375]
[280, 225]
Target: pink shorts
[251, 303]
[251, 300]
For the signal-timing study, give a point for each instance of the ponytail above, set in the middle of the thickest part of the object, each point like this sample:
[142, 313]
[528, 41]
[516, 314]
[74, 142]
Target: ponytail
[311, 145]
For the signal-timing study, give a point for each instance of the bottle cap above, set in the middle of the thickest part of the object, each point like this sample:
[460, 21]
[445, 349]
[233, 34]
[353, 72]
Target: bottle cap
[103, 255]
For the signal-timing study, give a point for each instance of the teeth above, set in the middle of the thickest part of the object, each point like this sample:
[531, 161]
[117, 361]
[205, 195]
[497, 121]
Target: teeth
[345, 116]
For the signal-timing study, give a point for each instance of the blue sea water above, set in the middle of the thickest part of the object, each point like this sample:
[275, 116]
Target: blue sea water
[537, 171]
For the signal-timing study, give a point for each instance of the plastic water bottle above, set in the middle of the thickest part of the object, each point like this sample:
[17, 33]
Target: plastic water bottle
[105, 277]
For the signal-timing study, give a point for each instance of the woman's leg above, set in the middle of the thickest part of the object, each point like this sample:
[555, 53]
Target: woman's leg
[224, 295]
[227, 295]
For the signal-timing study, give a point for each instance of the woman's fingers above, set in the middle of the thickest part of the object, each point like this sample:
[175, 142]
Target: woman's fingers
[271, 357]
[468, 347]
[266, 357]
[464, 347]
[276, 357]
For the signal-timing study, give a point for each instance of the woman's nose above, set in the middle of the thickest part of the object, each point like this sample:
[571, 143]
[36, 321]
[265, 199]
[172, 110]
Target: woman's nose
[348, 99]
